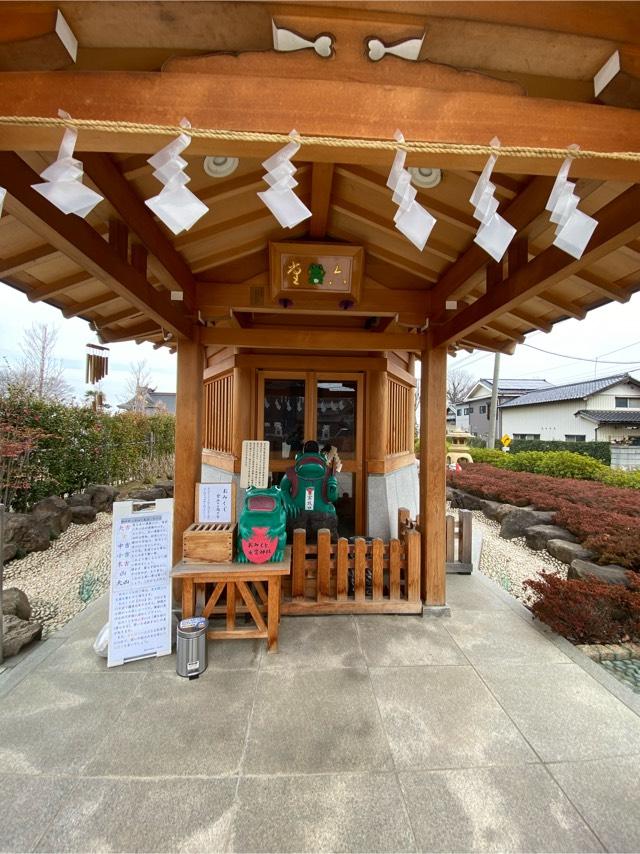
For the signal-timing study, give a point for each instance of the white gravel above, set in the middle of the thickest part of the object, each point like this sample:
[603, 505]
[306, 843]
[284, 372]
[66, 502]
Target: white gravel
[510, 562]
[62, 580]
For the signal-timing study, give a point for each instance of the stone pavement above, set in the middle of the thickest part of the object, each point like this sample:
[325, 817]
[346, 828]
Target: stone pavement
[478, 732]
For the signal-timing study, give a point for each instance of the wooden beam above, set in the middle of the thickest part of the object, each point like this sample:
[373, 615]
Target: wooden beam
[23, 260]
[59, 287]
[321, 183]
[520, 212]
[35, 37]
[618, 223]
[324, 107]
[533, 322]
[82, 244]
[77, 309]
[311, 339]
[566, 306]
[433, 423]
[602, 286]
[131, 333]
[188, 459]
[136, 215]
[618, 81]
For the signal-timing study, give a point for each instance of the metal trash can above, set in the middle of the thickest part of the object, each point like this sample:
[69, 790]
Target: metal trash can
[191, 647]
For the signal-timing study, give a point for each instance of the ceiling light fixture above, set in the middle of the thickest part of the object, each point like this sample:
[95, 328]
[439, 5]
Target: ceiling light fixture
[425, 177]
[220, 167]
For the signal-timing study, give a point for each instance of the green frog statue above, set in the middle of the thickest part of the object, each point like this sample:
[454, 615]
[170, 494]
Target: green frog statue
[262, 535]
[310, 485]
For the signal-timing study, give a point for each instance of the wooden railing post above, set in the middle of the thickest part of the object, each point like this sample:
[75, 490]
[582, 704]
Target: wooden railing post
[451, 538]
[297, 566]
[466, 521]
[359, 568]
[412, 546]
[404, 520]
[324, 564]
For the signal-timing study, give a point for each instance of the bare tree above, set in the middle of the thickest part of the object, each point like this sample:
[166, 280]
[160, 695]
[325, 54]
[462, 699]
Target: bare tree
[459, 384]
[38, 372]
[138, 385]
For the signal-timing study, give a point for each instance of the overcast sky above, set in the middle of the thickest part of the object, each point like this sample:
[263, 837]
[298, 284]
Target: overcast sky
[610, 328]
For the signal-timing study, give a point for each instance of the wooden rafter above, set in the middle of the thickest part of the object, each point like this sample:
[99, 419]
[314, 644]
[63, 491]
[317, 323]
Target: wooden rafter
[142, 330]
[618, 223]
[54, 289]
[229, 101]
[602, 286]
[136, 216]
[76, 309]
[23, 260]
[80, 242]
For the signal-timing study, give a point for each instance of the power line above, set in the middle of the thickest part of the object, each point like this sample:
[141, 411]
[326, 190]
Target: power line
[583, 358]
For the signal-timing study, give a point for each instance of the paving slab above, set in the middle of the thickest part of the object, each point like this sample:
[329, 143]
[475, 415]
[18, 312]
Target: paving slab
[76, 655]
[606, 793]
[144, 815]
[27, 805]
[305, 642]
[444, 717]
[52, 725]
[181, 727]
[328, 812]
[564, 713]
[400, 641]
[486, 638]
[465, 593]
[222, 655]
[309, 721]
[516, 809]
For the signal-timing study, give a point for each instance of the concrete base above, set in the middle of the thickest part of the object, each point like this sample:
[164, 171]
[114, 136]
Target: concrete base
[436, 611]
[386, 493]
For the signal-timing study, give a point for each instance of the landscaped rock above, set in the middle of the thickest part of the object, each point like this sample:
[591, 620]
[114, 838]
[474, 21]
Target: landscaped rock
[167, 485]
[27, 532]
[102, 496]
[83, 515]
[611, 574]
[15, 602]
[516, 523]
[150, 494]
[79, 499]
[52, 507]
[9, 552]
[567, 551]
[495, 510]
[18, 633]
[538, 536]
[471, 502]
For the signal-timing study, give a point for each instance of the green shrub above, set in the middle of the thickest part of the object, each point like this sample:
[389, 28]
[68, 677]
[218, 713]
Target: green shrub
[487, 455]
[598, 450]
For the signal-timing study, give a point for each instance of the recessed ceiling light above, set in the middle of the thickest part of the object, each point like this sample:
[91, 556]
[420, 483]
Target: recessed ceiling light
[220, 167]
[424, 177]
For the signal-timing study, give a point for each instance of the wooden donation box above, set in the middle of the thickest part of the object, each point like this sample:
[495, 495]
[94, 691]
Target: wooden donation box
[211, 538]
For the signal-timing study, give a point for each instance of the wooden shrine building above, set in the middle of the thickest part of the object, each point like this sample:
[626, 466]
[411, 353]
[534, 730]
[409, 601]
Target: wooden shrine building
[261, 354]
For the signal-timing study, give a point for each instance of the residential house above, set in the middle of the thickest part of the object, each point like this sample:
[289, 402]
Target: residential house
[474, 412]
[605, 409]
[155, 402]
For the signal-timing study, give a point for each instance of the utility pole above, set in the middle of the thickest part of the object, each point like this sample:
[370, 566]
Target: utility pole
[493, 421]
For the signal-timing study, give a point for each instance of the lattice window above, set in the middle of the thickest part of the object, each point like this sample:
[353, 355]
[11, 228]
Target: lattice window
[400, 418]
[217, 429]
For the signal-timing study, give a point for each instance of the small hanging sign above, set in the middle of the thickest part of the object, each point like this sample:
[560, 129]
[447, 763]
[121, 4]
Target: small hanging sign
[254, 468]
[317, 268]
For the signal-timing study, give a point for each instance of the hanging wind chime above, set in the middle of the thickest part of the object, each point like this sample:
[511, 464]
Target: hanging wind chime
[97, 368]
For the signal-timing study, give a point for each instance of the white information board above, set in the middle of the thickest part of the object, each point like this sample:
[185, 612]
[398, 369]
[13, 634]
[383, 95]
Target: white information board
[215, 502]
[254, 468]
[140, 595]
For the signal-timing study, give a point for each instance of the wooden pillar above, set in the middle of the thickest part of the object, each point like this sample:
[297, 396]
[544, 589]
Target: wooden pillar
[377, 415]
[242, 409]
[188, 438]
[433, 406]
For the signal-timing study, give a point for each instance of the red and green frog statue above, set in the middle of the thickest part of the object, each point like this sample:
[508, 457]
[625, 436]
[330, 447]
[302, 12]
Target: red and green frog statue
[310, 484]
[262, 535]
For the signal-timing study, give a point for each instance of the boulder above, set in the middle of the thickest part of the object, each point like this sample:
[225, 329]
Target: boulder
[9, 552]
[471, 502]
[102, 496]
[15, 602]
[516, 523]
[538, 536]
[83, 514]
[495, 510]
[52, 507]
[167, 485]
[150, 494]
[27, 532]
[611, 574]
[455, 496]
[79, 499]
[18, 633]
[567, 551]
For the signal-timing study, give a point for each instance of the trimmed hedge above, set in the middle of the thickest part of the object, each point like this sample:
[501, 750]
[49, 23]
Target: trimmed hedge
[598, 450]
[606, 519]
[558, 464]
[77, 446]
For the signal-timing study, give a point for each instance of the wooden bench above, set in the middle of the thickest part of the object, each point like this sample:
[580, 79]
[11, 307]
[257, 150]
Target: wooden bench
[236, 581]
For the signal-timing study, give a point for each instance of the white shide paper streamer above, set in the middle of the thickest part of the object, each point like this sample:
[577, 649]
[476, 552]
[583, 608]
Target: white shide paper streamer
[573, 227]
[411, 218]
[495, 233]
[280, 198]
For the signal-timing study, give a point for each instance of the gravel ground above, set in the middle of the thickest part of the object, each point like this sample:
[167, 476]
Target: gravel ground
[510, 562]
[62, 580]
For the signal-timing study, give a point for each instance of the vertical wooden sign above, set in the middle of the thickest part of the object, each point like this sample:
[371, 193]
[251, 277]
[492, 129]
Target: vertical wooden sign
[254, 469]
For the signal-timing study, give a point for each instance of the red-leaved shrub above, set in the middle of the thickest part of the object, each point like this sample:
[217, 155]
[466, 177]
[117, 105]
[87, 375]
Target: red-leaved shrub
[605, 518]
[586, 611]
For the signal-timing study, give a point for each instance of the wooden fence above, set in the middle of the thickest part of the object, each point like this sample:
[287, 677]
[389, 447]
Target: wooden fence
[459, 537]
[359, 577]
